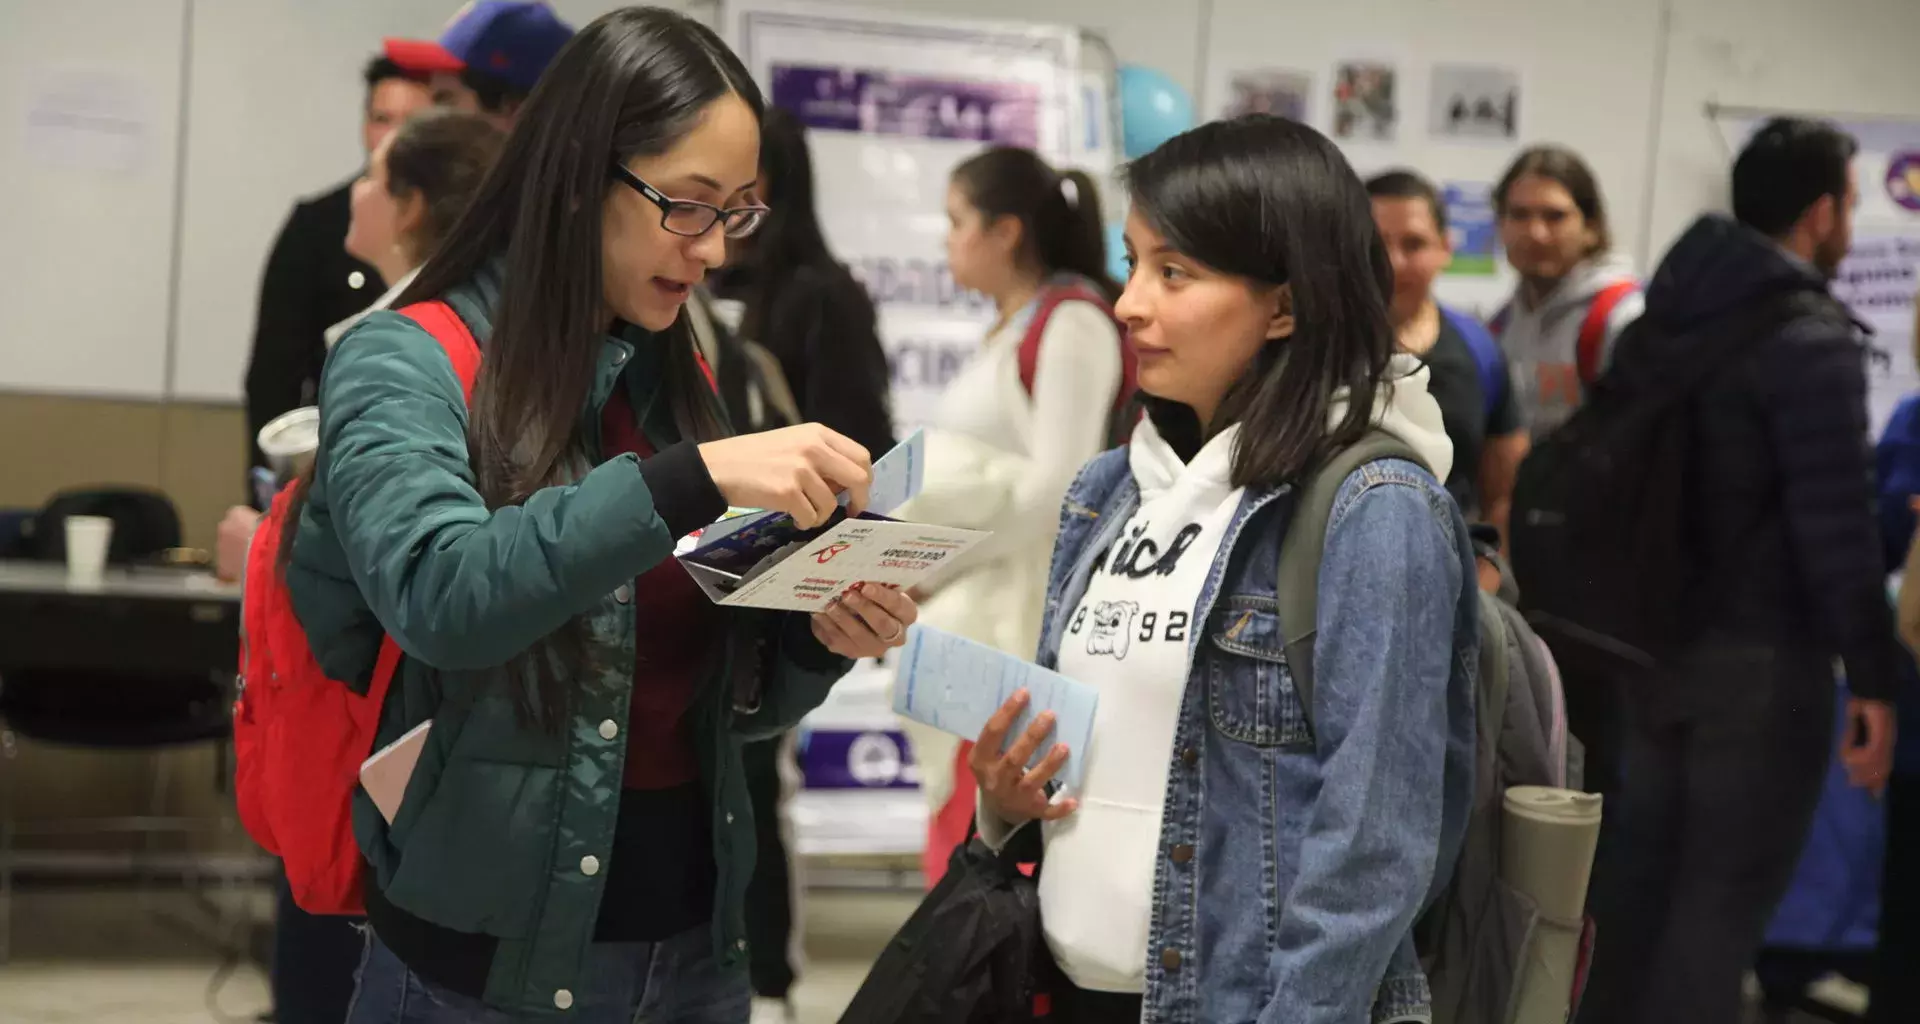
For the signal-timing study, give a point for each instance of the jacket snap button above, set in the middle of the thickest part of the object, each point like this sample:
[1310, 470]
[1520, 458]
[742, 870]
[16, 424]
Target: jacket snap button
[1182, 853]
[741, 945]
[589, 866]
[563, 999]
[1170, 958]
[624, 595]
[729, 817]
[619, 358]
[608, 729]
[1190, 757]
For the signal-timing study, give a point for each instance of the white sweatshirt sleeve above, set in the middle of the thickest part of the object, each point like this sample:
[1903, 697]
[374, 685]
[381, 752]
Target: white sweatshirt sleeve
[1075, 380]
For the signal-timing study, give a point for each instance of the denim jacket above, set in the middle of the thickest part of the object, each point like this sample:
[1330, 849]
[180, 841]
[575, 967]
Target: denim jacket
[1294, 857]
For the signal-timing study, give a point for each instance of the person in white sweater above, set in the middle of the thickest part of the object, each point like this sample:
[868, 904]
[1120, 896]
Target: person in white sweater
[1037, 401]
[1239, 848]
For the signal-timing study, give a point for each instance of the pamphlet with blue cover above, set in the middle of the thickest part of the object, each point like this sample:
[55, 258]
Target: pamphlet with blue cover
[763, 559]
[954, 684]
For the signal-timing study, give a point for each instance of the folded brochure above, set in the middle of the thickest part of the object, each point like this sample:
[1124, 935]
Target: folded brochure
[763, 559]
[954, 684]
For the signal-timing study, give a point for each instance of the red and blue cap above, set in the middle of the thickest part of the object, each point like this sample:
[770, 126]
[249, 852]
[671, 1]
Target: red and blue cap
[511, 40]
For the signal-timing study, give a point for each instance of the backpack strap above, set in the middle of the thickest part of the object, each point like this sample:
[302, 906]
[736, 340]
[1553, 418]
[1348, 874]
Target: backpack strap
[438, 319]
[1592, 344]
[1050, 299]
[1497, 324]
[1301, 550]
[1487, 357]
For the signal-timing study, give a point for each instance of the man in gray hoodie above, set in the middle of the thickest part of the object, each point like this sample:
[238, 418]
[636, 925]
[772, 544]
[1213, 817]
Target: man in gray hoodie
[1558, 331]
[1575, 295]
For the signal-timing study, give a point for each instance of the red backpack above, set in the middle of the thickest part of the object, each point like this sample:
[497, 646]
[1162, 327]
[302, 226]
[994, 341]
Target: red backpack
[1120, 424]
[1591, 347]
[298, 736]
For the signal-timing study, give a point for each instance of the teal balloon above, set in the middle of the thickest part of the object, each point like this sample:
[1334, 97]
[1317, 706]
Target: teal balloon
[1117, 253]
[1153, 109]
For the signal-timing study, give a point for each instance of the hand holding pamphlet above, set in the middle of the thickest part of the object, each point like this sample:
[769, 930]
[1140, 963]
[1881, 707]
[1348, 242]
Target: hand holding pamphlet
[955, 685]
[763, 559]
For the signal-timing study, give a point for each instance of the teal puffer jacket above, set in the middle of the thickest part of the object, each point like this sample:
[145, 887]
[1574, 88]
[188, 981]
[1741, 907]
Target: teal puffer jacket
[502, 824]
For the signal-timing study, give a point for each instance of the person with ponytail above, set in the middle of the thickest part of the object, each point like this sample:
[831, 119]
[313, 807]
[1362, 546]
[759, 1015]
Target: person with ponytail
[1019, 420]
[576, 836]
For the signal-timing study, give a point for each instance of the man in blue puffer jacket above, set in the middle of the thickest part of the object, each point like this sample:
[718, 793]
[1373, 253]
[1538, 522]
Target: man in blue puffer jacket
[1895, 986]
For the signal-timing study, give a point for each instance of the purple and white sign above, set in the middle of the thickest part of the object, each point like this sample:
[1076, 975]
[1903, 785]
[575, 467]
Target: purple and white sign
[1903, 180]
[857, 759]
[873, 102]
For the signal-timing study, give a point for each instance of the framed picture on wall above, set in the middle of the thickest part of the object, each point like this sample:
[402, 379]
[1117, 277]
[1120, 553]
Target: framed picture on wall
[1366, 101]
[1474, 103]
[1283, 92]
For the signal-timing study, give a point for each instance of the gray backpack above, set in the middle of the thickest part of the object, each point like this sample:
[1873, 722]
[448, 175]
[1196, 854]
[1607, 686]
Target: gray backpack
[1474, 941]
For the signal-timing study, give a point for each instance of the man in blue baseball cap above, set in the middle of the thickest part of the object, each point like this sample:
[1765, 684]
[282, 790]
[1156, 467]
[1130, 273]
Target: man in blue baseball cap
[488, 58]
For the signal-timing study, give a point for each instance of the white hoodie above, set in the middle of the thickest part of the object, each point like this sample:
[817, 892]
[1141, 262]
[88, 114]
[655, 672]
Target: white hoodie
[1542, 342]
[1129, 637]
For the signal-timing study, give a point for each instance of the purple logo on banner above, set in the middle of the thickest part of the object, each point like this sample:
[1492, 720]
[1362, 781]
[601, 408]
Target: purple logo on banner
[848, 759]
[920, 106]
[1903, 180]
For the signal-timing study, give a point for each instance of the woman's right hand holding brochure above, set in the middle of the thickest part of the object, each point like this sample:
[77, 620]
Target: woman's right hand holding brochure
[1009, 790]
[797, 470]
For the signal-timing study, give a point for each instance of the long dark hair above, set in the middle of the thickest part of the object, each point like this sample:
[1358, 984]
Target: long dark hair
[442, 156]
[1563, 166]
[1059, 212]
[1272, 201]
[791, 237]
[632, 83]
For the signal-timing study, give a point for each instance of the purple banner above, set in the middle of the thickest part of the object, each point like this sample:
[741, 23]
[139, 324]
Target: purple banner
[852, 759]
[920, 106]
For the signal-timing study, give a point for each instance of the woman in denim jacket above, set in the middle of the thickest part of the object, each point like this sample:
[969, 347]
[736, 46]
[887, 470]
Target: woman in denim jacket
[1229, 856]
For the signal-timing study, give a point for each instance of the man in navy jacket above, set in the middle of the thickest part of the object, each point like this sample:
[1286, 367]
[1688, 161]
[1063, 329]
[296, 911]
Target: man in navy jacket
[1728, 751]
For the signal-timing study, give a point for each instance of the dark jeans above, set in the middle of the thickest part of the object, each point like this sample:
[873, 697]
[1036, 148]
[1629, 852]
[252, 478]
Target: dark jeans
[1896, 978]
[313, 962]
[673, 982]
[770, 893]
[1725, 761]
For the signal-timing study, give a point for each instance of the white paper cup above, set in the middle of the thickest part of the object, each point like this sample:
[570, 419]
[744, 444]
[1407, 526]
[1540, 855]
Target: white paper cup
[87, 540]
[290, 440]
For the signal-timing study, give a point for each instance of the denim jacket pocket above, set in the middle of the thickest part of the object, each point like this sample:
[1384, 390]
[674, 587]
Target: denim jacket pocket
[1250, 692]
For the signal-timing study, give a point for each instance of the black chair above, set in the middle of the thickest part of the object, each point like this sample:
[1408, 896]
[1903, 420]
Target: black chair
[142, 703]
[145, 524]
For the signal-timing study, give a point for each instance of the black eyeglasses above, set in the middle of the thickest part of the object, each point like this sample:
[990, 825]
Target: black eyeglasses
[691, 219]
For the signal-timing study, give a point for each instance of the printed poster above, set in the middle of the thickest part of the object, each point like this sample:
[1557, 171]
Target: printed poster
[1474, 103]
[1471, 228]
[892, 103]
[1366, 103]
[1282, 92]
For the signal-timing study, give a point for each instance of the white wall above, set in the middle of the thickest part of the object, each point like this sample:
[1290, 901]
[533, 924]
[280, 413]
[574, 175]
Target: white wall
[274, 114]
[274, 95]
[1858, 57]
[86, 227]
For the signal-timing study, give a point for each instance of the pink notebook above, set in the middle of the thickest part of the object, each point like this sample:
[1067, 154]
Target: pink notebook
[384, 775]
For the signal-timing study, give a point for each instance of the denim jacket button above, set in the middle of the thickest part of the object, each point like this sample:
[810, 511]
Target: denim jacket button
[1190, 757]
[1182, 853]
[1170, 958]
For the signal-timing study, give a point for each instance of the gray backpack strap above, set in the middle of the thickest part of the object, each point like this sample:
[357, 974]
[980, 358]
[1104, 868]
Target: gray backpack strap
[1306, 541]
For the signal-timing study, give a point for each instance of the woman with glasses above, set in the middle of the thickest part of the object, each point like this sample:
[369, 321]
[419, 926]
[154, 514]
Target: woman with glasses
[576, 835]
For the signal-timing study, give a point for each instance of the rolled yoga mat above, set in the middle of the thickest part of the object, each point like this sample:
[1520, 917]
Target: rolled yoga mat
[1546, 854]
